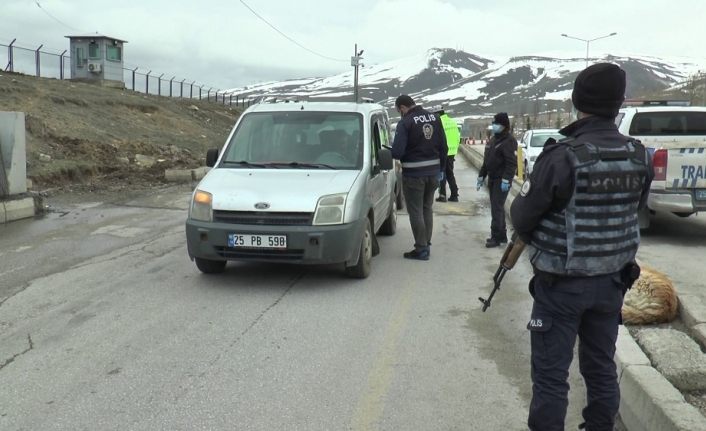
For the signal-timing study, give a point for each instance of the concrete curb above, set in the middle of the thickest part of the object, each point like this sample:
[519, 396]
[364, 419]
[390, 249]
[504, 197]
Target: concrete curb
[648, 401]
[185, 175]
[16, 209]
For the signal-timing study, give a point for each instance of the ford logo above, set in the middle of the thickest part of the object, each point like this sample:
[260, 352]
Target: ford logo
[262, 205]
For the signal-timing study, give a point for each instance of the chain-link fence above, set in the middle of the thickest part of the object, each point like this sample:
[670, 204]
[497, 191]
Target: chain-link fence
[47, 64]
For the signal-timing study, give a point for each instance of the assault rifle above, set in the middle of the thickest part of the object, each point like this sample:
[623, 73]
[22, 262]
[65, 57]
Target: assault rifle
[512, 253]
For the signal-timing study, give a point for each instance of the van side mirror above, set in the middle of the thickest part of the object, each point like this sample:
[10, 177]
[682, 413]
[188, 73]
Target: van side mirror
[385, 159]
[211, 157]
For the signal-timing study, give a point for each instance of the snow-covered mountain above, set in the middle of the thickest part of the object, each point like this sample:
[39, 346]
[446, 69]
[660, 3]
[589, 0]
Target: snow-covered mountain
[471, 85]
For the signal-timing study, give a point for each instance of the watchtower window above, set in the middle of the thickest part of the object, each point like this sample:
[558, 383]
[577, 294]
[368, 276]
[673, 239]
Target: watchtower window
[114, 53]
[93, 51]
[80, 56]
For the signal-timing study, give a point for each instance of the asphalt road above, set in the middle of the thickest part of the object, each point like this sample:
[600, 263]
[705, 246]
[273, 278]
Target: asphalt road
[105, 324]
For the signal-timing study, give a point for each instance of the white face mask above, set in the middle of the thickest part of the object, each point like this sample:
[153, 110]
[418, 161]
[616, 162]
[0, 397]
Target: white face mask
[497, 128]
[574, 114]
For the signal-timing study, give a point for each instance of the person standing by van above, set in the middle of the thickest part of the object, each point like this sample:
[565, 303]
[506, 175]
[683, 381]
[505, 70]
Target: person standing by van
[453, 140]
[420, 144]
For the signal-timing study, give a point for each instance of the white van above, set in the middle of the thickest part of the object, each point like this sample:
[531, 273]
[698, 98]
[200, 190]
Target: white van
[297, 182]
[676, 137]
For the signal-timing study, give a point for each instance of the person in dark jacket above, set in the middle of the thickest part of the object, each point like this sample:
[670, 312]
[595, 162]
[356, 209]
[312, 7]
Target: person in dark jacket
[420, 144]
[500, 166]
[578, 213]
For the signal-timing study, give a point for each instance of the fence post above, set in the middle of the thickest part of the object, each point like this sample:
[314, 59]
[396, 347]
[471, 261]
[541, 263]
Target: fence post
[181, 89]
[230, 102]
[191, 91]
[133, 78]
[36, 59]
[147, 82]
[224, 99]
[61, 65]
[10, 64]
[159, 85]
[236, 100]
[170, 85]
[200, 88]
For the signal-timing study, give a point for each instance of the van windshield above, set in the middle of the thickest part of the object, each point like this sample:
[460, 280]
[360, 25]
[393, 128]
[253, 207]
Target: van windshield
[297, 139]
[538, 139]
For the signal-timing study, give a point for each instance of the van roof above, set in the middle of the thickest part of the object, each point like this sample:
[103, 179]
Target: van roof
[363, 108]
[664, 109]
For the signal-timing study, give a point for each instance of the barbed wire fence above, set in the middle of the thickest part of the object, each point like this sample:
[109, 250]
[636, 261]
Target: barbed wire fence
[51, 63]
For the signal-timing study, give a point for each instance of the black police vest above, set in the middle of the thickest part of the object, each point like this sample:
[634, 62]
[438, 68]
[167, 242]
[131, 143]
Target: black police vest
[424, 133]
[598, 231]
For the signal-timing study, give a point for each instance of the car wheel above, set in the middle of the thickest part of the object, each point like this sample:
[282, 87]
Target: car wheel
[682, 214]
[389, 227]
[365, 257]
[210, 266]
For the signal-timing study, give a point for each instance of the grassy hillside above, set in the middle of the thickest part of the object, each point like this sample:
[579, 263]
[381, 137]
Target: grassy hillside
[83, 133]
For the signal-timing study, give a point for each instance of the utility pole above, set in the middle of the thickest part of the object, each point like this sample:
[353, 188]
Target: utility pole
[355, 62]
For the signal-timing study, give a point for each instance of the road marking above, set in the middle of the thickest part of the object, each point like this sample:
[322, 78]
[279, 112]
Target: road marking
[372, 404]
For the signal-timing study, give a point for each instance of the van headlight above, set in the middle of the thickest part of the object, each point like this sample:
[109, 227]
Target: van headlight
[329, 209]
[201, 206]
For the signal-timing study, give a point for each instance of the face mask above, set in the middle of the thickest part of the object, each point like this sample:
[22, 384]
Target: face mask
[497, 128]
[574, 114]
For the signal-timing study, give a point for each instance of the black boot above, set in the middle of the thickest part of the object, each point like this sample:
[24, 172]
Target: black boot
[492, 242]
[441, 198]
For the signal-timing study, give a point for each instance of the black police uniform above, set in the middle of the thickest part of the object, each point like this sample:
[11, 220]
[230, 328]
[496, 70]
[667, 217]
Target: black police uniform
[578, 214]
[499, 162]
[420, 144]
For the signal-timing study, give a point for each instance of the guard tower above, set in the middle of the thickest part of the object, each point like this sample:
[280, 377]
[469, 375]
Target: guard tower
[97, 58]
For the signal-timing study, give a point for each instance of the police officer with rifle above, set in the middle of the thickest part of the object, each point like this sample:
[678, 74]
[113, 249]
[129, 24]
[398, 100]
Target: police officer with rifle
[578, 213]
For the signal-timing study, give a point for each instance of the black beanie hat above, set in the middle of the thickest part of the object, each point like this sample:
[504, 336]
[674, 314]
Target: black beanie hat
[599, 90]
[502, 119]
[404, 100]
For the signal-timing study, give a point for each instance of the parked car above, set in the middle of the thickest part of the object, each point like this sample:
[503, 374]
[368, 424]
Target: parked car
[676, 137]
[532, 144]
[308, 183]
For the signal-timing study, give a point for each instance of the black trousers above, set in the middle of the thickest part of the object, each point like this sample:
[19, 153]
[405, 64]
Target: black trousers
[564, 308]
[419, 197]
[498, 229]
[450, 178]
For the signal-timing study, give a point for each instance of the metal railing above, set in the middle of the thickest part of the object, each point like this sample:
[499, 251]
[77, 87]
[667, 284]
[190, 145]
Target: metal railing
[57, 65]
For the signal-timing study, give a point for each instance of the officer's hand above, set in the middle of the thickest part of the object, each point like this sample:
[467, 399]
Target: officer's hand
[480, 183]
[505, 186]
[440, 176]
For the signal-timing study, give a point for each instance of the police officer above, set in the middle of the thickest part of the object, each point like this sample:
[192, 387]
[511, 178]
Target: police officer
[453, 140]
[420, 144]
[578, 214]
[500, 165]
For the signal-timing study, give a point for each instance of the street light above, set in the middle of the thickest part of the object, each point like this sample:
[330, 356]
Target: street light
[588, 41]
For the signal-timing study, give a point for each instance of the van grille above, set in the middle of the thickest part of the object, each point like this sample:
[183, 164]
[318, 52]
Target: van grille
[263, 218]
[244, 253]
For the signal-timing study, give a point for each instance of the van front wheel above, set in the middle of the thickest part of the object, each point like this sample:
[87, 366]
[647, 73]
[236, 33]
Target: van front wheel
[365, 257]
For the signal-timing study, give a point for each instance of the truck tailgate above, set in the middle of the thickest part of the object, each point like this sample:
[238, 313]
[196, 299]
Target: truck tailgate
[686, 168]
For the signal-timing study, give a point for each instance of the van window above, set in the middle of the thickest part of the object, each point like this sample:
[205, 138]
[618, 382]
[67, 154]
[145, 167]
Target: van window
[668, 123]
[272, 139]
[538, 139]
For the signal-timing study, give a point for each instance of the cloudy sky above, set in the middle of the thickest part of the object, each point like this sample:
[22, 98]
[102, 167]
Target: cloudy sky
[222, 43]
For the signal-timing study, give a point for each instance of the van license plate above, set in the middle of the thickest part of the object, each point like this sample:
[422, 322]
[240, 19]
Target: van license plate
[257, 241]
[701, 195]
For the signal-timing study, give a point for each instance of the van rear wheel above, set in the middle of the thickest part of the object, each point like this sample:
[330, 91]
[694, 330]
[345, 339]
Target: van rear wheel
[210, 266]
[365, 257]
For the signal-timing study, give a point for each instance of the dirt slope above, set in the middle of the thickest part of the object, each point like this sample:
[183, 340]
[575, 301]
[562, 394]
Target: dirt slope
[83, 134]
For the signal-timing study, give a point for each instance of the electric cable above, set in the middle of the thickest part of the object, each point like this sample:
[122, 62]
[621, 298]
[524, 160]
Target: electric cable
[289, 38]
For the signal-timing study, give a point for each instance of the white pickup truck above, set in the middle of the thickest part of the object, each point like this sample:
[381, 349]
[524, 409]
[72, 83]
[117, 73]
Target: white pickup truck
[676, 137]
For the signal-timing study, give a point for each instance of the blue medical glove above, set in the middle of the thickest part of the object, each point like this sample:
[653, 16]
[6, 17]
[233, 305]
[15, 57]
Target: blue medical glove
[440, 176]
[480, 182]
[505, 186]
